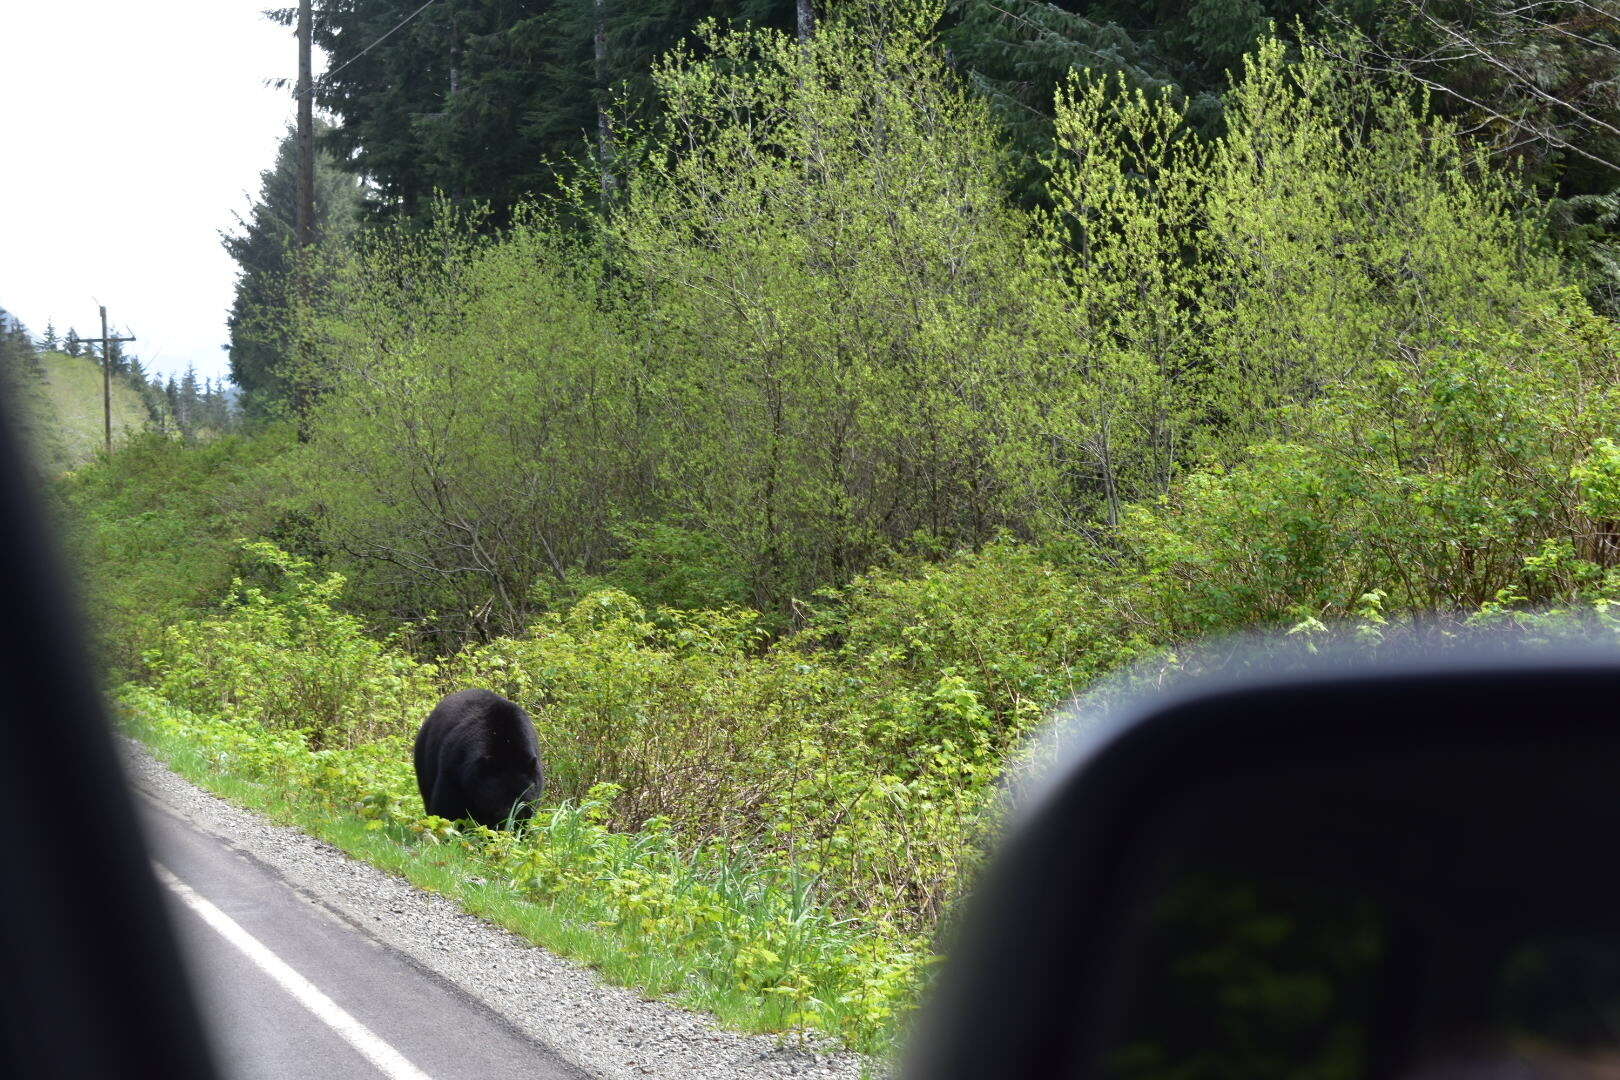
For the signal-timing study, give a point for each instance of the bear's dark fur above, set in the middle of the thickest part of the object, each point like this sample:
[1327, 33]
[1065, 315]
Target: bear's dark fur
[477, 757]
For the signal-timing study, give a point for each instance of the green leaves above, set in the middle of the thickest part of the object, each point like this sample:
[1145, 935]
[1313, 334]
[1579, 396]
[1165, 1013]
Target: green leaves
[282, 657]
[1598, 481]
[822, 249]
[479, 433]
[1459, 479]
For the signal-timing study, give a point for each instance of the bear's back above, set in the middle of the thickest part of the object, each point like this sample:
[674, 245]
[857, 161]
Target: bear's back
[470, 724]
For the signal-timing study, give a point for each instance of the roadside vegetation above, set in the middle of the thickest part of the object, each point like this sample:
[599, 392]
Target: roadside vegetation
[794, 472]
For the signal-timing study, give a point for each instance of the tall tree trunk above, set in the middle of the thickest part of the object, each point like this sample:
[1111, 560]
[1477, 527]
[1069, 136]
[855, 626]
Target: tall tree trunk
[458, 192]
[304, 216]
[807, 20]
[604, 132]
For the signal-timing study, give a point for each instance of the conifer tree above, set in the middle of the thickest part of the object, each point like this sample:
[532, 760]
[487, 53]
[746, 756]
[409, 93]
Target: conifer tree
[17, 353]
[261, 311]
[482, 99]
[189, 403]
[171, 399]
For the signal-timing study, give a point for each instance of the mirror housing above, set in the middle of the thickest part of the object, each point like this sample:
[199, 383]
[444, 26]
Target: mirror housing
[1448, 817]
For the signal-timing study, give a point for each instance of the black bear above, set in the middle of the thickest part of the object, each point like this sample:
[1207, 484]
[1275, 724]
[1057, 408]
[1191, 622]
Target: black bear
[477, 757]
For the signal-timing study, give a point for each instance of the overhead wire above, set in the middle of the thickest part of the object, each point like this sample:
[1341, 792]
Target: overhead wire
[374, 44]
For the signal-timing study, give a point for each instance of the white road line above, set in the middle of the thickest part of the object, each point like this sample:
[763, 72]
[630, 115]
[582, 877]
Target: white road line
[388, 1060]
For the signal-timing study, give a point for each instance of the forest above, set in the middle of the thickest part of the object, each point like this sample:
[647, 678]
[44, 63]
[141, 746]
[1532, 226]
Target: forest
[792, 407]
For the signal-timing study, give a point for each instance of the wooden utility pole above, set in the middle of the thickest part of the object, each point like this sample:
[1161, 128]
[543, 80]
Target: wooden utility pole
[305, 234]
[106, 379]
[107, 342]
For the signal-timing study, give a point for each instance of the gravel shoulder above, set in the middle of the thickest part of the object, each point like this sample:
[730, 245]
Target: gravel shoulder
[607, 1031]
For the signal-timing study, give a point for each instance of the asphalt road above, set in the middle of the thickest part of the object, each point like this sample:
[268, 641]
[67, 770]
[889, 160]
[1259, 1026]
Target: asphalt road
[292, 989]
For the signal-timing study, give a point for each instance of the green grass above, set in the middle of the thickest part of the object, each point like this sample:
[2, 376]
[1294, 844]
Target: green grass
[582, 916]
[72, 424]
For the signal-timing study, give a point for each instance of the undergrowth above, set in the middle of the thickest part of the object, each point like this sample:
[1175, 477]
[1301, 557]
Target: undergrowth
[707, 927]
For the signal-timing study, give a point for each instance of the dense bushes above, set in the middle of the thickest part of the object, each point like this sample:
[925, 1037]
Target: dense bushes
[831, 760]
[284, 659]
[837, 784]
[1428, 481]
[752, 378]
[153, 530]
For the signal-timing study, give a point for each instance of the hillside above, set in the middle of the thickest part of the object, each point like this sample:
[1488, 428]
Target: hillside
[71, 408]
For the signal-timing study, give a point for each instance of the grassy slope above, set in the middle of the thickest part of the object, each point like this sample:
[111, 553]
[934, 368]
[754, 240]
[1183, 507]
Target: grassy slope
[72, 425]
[29, 406]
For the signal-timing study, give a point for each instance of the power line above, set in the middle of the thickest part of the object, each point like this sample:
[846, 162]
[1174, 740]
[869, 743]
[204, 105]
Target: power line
[379, 41]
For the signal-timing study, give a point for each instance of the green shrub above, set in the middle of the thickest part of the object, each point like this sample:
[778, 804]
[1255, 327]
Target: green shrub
[1005, 624]
[477, 430]
[874, 779]
[1430, 480]
[667, 566]
[284, 659]
[153, 530]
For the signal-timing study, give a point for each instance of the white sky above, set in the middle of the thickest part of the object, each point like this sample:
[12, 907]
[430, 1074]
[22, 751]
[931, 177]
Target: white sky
[132, 133]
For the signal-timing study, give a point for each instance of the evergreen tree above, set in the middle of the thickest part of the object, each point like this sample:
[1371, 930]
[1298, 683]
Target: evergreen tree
[482, 99]
[17, 353]
[143, 384]
[261, 311]
[70, 344]
[1017, 53]
[217, 413]
[186, 413]
[21, 384]
[117, 362]
[157, 402]
[50, 341]
[171, 401]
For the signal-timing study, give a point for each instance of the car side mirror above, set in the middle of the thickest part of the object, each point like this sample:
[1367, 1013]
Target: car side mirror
[1344, 872]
